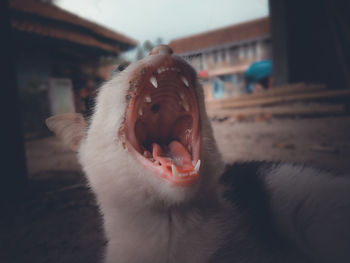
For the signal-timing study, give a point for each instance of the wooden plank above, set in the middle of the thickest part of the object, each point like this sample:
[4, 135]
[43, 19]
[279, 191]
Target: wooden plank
[288, 89]
[306, 109]
[234, 103]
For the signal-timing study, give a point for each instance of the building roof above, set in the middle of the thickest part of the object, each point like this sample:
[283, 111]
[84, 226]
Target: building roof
[226, 35]
[51, 21]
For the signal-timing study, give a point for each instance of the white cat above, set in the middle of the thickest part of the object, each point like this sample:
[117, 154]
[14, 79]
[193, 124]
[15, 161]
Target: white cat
[151, 159]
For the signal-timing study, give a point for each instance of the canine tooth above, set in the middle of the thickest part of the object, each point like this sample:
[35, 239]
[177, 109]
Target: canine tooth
[174, 170]
[140, 111]
[148, 99]
[189, 148]
[154, 82]
[198, 164]
[182, 95]
[185, 104]
[185, 81]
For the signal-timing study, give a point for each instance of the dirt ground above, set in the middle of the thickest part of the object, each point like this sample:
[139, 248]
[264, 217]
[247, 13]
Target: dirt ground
[59, 220]
[319, 142]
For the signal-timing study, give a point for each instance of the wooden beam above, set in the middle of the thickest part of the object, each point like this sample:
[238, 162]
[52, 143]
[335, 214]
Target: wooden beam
[291, 110]
[236, 103]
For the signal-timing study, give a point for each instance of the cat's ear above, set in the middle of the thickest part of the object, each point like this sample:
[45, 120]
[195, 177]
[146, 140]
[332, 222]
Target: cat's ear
[70, 128]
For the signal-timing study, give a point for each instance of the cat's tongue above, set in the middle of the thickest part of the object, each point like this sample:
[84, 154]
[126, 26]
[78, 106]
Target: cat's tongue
[175, 154]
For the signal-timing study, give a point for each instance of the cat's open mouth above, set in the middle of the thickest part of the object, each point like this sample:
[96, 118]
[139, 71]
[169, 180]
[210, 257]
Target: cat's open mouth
[162, 122]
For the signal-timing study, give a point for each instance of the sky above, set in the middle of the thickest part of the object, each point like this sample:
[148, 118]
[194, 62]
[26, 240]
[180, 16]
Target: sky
[168, 19]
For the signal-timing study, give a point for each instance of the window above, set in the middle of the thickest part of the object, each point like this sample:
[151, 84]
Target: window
[196, 61]
[223, 54]
[233, 52]
[239, 78]
[241, 52]
[254, 49]
[245, 51]
[227, 78]
[215, 56]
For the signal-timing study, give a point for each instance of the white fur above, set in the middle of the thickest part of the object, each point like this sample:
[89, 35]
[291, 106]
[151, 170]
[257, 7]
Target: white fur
[143, 216]
[147, 220]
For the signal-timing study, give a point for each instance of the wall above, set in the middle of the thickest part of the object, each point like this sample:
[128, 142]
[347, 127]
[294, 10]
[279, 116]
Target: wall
[33, 69]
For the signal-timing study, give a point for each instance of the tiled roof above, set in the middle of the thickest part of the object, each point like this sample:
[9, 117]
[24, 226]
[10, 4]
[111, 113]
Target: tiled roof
[226, 35]
[51, 21]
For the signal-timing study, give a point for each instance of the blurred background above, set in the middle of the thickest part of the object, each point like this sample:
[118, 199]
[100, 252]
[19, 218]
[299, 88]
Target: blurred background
[276, 77]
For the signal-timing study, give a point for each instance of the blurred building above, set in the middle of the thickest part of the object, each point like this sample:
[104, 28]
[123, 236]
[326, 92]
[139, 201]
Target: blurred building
[57, 59]
[222, 56]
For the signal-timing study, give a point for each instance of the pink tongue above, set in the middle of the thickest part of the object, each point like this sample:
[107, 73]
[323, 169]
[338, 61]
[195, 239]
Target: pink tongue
[177, 153]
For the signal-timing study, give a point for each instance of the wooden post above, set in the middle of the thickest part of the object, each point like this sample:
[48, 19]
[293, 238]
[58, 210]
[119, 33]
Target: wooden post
[310, 41]
[13, 172]
[278, 27]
